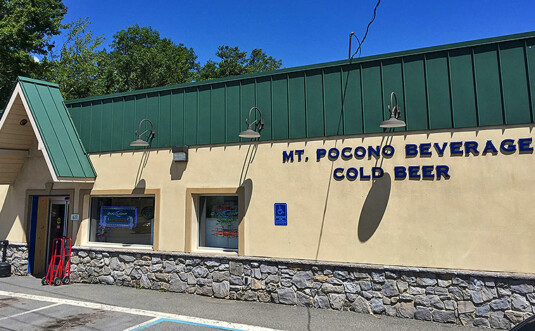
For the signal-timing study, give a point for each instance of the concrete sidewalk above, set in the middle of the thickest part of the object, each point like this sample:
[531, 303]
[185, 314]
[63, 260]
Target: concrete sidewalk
[30, 305]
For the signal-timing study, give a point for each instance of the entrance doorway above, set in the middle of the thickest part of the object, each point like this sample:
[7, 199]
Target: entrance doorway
[51, 222]
[57, 223]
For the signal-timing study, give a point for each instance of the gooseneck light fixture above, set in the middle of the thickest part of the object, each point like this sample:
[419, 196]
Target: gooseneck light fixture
[140, 142]
[259, 125]
[395, 112]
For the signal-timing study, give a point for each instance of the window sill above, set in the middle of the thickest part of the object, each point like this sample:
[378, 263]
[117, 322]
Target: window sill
[122, 246]
[215, 251]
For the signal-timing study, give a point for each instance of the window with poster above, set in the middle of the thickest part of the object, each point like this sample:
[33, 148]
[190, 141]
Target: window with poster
[218, 222]
[122, 220]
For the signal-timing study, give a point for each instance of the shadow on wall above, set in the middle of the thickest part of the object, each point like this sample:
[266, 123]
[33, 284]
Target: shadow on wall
[247, 189]
[142, 165]
[249, 158]
[374, 207]
[177, 170]
[8, 213]
[140, 187]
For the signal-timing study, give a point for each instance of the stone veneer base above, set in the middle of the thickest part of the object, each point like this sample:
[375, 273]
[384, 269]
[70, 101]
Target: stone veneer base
[17, 256]
[483, 299]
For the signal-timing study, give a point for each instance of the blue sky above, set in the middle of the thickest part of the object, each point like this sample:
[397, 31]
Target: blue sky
[309, 32]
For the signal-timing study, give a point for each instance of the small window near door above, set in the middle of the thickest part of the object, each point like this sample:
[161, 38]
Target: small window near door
[122, 220]
[218, 222]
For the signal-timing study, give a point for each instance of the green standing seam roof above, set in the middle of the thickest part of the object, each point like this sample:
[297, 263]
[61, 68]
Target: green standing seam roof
[487, 82]
[64, 147]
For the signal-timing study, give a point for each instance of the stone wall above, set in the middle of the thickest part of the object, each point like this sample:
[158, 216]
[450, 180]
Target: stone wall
[468, 298]
[17, 256]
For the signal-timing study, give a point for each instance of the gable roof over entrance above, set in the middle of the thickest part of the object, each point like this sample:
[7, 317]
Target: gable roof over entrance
[41, 105]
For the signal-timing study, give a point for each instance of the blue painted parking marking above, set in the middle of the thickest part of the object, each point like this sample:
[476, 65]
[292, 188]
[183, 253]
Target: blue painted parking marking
[184, 322]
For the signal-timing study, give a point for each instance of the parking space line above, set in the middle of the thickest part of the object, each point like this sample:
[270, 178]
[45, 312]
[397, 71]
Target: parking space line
[143, 325]
[160, 320]
[30, 311]
[142, 312]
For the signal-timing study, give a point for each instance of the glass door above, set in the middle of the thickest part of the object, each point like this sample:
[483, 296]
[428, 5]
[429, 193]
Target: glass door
[57, 222]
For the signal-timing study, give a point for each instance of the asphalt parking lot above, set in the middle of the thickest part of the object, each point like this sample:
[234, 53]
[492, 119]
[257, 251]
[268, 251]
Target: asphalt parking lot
[19, 311]
[27, 305]
[26, 314]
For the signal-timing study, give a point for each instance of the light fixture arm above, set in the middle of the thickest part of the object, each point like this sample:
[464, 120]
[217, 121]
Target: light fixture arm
[259, 123]
[350, 35]
[395, 113]
[394, 110]
[152, 132]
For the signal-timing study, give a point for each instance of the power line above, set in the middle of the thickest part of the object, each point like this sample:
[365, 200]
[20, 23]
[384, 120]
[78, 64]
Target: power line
[352, 34]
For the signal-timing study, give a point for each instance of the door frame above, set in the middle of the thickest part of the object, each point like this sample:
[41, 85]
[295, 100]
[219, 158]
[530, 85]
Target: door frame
[32, 198]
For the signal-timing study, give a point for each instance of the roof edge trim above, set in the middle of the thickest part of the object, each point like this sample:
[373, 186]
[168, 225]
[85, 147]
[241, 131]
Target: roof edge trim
[76, 179]
[36, 81]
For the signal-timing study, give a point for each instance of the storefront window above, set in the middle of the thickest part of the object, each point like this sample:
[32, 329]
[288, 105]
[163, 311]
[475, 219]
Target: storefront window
[122, 220]
[218, 223]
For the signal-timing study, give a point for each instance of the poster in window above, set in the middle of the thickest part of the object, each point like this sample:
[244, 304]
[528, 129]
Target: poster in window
[220, 222]
[118, 217]
[226, 221]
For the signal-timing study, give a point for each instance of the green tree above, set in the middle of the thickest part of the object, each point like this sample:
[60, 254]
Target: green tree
[80, 67]
[258, 61]
[234, 62]
[26, 29]
[140, 58]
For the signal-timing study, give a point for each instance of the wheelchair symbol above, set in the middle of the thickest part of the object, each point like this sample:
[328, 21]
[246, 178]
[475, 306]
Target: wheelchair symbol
[281, 214]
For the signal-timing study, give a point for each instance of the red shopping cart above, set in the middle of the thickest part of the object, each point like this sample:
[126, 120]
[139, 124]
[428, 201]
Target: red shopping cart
[59, 268]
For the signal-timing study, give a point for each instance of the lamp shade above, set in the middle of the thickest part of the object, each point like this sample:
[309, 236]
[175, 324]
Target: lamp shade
[139, 143]
[249, 134]
[392, 122]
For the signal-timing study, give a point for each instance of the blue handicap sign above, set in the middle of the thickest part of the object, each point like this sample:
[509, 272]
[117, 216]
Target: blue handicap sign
[281, 214]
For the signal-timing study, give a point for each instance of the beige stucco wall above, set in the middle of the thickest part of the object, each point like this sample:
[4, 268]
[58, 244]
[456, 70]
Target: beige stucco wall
[479, 219]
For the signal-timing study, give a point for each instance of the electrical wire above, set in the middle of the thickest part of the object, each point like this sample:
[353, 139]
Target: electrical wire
[359, 48]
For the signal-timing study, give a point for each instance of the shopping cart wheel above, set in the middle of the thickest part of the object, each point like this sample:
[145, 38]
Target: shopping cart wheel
[66, 280]
[57, 281]
[44, 281]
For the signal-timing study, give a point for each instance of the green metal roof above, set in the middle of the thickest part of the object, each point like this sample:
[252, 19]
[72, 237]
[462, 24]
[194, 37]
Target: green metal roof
[65, 150]
[485, 82]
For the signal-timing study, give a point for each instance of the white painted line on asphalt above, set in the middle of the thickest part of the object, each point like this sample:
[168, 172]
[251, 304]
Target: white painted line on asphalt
[29, 311]
[141, 325]
[134, 311]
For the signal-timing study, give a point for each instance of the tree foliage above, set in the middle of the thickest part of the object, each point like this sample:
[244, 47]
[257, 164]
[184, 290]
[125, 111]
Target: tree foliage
[259, 62]
[79, 69]
[26, 28]
[140, 58]
[235, 62]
